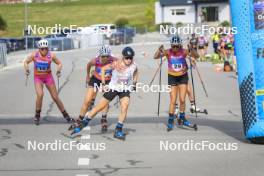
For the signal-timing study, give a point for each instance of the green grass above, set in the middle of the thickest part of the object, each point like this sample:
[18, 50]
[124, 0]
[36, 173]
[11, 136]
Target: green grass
[80, 13]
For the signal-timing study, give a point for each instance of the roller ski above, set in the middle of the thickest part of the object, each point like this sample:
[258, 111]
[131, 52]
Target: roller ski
[183, 122]
[198, 110]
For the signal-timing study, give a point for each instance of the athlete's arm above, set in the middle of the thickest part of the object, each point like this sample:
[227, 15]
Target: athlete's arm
[135, 76]
[57, 62]
[160, 52]
[88, 69]
[192, 56]
[104, 68]
[27, 61]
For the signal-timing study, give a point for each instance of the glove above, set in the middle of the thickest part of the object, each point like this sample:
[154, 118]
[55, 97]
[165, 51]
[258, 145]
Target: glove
[161, 48]
[58, 74]
[134, 87]
[27, 72]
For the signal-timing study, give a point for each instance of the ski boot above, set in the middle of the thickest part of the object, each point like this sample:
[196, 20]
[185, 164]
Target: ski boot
[119, 134]
[104, 124]
[79, 125]
[182, 121]
[36, 119]
[170, 124]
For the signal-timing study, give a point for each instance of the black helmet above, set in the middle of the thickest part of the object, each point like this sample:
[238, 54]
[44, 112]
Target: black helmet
[128, 52]
[176, 40]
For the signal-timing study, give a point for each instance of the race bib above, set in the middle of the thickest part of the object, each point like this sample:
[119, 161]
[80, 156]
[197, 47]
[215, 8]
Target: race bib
[42, 66]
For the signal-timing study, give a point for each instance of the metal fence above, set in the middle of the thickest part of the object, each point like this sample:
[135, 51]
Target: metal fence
[3, 51]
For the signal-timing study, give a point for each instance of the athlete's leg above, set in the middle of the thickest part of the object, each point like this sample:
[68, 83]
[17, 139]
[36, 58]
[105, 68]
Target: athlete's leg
[182, 96]
[103, 119]
[124, 103]
[173, 98]
[54, 95]
[190, 92]
[99, 107]
[40, 94]
[89, 97]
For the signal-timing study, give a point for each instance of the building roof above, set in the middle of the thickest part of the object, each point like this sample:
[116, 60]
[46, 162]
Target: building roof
[187, 2]
[175, 2]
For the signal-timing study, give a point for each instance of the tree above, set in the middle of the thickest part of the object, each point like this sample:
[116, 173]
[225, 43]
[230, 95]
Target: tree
[149, 12]
[121, 22]
[3, 25]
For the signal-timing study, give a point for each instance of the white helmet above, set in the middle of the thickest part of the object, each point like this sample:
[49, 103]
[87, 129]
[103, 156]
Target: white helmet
[105, 51]
[43, 43]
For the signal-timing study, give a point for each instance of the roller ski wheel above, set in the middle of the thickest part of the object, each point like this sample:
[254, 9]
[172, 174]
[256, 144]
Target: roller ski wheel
[203, 111]
[120, 135]
[193, 126]
[103, 125]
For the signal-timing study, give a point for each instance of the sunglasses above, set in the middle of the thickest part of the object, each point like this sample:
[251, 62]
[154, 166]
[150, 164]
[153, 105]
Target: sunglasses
[104, 56]
[128, 58]
[42, 49]
[175, 46]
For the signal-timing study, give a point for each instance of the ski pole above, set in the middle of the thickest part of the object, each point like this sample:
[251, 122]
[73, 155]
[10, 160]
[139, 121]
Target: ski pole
[58, 82]
[191, 66]
[26, 81]
[199, 75]
[161, 61]
[117, 102]
[157, 71]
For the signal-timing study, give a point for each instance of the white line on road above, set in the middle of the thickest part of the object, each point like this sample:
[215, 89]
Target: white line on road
[87, 136]
[83, 161]
[82, 175]
[87, 128]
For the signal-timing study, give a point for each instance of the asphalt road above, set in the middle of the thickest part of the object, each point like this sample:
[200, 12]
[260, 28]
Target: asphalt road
[143, 153]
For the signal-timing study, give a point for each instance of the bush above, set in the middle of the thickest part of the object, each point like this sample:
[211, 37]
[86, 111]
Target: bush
[121, 22]
[179, 24]
[225, 24]
[3, 24]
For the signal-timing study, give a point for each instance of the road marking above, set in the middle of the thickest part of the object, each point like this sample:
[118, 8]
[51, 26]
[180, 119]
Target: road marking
[82, 175]
[83, 161]
[87, 136]
[87, 128]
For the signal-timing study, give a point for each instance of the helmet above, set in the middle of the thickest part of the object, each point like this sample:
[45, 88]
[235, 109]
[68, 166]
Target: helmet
[128, 52]
[105, 51]
[43, 43]
[176, 40]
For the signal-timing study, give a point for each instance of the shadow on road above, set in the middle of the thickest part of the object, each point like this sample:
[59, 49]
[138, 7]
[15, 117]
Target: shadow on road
[231, 128]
